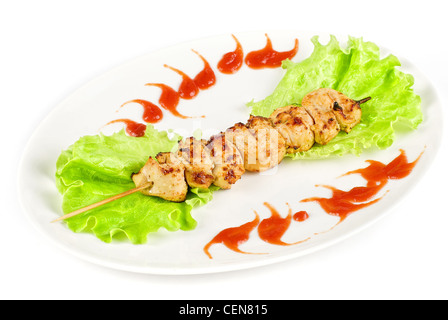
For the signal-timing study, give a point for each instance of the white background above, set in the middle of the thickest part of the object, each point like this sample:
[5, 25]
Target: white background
[50, 48]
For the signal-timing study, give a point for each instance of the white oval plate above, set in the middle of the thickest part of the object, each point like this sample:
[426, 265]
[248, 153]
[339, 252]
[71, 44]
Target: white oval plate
[96, 103]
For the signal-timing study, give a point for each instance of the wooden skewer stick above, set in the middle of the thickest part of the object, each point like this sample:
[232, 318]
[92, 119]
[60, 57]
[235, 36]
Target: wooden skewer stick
[336, 105]
[364, 100]
[95, 205]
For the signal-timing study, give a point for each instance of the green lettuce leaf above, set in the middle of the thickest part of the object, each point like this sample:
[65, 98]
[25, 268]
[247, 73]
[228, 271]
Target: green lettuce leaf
[358, 72]
[97, 167]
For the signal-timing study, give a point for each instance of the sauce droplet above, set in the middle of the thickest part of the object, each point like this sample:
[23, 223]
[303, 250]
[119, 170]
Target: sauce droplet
[134, 129]
[151, 112]
[268, 57]
[188, 88]
[272, 229]
[169, 99]
[232, 238]
[206, 78]
[300, 216]
[231, 62]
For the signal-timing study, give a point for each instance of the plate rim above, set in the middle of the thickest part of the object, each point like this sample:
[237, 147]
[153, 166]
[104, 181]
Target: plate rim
[218, 268]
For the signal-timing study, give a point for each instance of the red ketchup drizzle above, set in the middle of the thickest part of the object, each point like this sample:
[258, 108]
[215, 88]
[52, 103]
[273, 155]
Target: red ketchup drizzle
[133, 128]
[300, 216]
[206, 78]
[151, 113]
[188, 88]
[341, 204]
[377, 174]
[268, 57]
[231, 62]
[232, 238]
[272, 229]
[169, 99]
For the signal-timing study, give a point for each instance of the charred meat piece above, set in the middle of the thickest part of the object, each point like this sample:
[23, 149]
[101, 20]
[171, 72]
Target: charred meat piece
[348, 111]
[246, 143]
[260, 145]
[167, 174]
[319, 105]
[197, 161]
[228, 162]
[294, 124]
[271, 146]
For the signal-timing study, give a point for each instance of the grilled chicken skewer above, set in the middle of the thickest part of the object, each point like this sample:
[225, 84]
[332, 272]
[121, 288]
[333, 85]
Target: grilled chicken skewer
[262, 143]
[256, 146]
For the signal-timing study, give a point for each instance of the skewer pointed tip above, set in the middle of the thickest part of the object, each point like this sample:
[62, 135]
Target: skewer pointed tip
[364, 100]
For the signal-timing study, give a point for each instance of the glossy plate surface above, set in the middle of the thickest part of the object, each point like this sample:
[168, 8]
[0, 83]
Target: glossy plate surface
[88, 109]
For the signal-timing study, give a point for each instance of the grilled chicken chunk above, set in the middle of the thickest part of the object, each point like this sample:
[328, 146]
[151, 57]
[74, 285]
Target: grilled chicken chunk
[348, 111]
[167, 174]
[229, 164]
[271, 146]
[294, 124]
[320, 107]
[197, 161]
[261, 146]
[245, 142]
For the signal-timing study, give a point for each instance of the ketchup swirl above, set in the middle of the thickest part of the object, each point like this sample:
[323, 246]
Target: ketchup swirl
[151, 113]
[343, 203]
[134, 129]
[231, 62]
[272, 229]
[268, 57]
[188, 88]
[232, 238]
[206, 78]
[169, 99]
